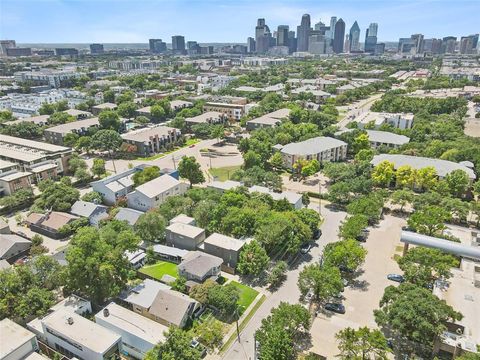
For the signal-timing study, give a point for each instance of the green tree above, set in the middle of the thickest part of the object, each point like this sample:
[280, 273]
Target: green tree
[84, 143]
[145, 175]
[414, 313]
[383, 173]
[70, 139]
[109, 120]
[93, 197]
[458, 182]
[422, 266]
[108, 96]
[200, 292]
[426, 178]
[347, 253]
[402, 197]
[281, 332]
[97, 266]
[190, 169]
[107, 140]
[56, 196]
[60, 118]
[405, 176]
[151, 227]
[323, 282]
[157, 113]
[251, 159]
[224, 298]
[180, 284]
[278, 274]
[276, 161]
[127, 109]
[82, 175]
[362, 344]
[253, 259]
[429, 220]
[98, 167]
[352, 227]
[176, 346]
[361, 142]
[370, 205]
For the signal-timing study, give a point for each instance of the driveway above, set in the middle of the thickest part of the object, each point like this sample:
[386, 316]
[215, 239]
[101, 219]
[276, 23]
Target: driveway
[363, 296]
[288, 292]
[357, 109]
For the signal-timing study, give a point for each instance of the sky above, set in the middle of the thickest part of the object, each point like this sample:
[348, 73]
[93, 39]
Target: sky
[135, 21]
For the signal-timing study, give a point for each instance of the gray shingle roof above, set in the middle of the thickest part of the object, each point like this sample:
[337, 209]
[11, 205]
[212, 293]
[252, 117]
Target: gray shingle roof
[129, 215]
[199, 264]
[312, 146]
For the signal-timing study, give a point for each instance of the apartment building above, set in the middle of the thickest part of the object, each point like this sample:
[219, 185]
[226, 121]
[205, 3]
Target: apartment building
[56, 134]
[152, 140]
[233, 112]
[320, 148]
[397, 120]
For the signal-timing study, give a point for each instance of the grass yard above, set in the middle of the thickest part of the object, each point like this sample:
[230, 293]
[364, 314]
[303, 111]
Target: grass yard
[223, 173]
[247, 295]
[159, 269]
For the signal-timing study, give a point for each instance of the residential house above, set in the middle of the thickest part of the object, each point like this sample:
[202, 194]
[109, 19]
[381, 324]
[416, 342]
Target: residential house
[184, 236]
[136, 258]
[268, 120]
[75, 336]
[152, 140]
[50, 223]
[13, 247]
[320, 148]
[139, 334]
[78, 114]
[129, 215]
[155, 192]
[94, 212]
[225, 247]
[198, 266]
[17, 342]
[183, 219]
[159, 303]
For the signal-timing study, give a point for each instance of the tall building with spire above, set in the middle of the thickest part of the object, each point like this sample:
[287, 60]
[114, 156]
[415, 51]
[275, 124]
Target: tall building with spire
[354, 37]
[339, 36]
[303, 32]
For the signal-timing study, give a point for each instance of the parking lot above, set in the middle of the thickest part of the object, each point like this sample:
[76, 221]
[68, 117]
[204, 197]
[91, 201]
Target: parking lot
[363, 294]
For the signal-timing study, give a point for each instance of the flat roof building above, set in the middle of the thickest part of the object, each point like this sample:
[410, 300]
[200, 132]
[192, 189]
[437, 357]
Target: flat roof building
[16, 341]
[152, 140]
[139, 334]
[56, 134]
[397, 120]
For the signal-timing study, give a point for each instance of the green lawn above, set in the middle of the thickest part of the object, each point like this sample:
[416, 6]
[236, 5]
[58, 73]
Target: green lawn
[223, 173]
[247, 295]
[159, 269]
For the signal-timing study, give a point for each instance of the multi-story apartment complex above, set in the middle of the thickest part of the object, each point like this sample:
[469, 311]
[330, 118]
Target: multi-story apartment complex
[53, 78]
[153, 139]
[234, 112]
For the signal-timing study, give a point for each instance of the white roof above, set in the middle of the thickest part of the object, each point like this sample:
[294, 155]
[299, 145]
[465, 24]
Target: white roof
[224, 242]
[205, 117]
[158, 185]
[225, 185]
[6, 164]
[312, 146]
[13, 336]
[279, 114]
[145, 134]
[387, 137]
[74, 125]
[14, 175]
[144, 293]
[443, 167]
[170, 251]
[132, 323]
[184, 219]
[82, 330]
[185, 229]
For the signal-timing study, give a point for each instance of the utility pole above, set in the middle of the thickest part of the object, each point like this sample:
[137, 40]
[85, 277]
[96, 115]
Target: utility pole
[236, 320]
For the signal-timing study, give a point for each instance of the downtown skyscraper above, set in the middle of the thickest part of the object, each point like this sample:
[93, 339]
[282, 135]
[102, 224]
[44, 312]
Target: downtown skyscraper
[338, 36]
[371, 38]
[303, 32]
[263, 37]
[354, 37]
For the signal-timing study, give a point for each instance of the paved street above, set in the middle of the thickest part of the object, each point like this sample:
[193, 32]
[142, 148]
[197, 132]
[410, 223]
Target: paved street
[358, 108]
[289, 291]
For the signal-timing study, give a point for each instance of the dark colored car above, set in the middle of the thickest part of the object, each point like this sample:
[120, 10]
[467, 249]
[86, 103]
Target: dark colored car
[396, 278]
[407, 228]
[336, 308]
[305, 248]
[317, 233]
[345, 269]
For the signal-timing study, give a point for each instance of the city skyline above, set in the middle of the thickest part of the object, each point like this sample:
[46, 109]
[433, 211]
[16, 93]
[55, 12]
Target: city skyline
[132, 22]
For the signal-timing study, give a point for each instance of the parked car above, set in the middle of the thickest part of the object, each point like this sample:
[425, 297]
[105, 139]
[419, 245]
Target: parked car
[336, 308]
[305, 248]
[316, 234]
[408, 228]
[396, 278]
[345, 269]
[362, 237]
